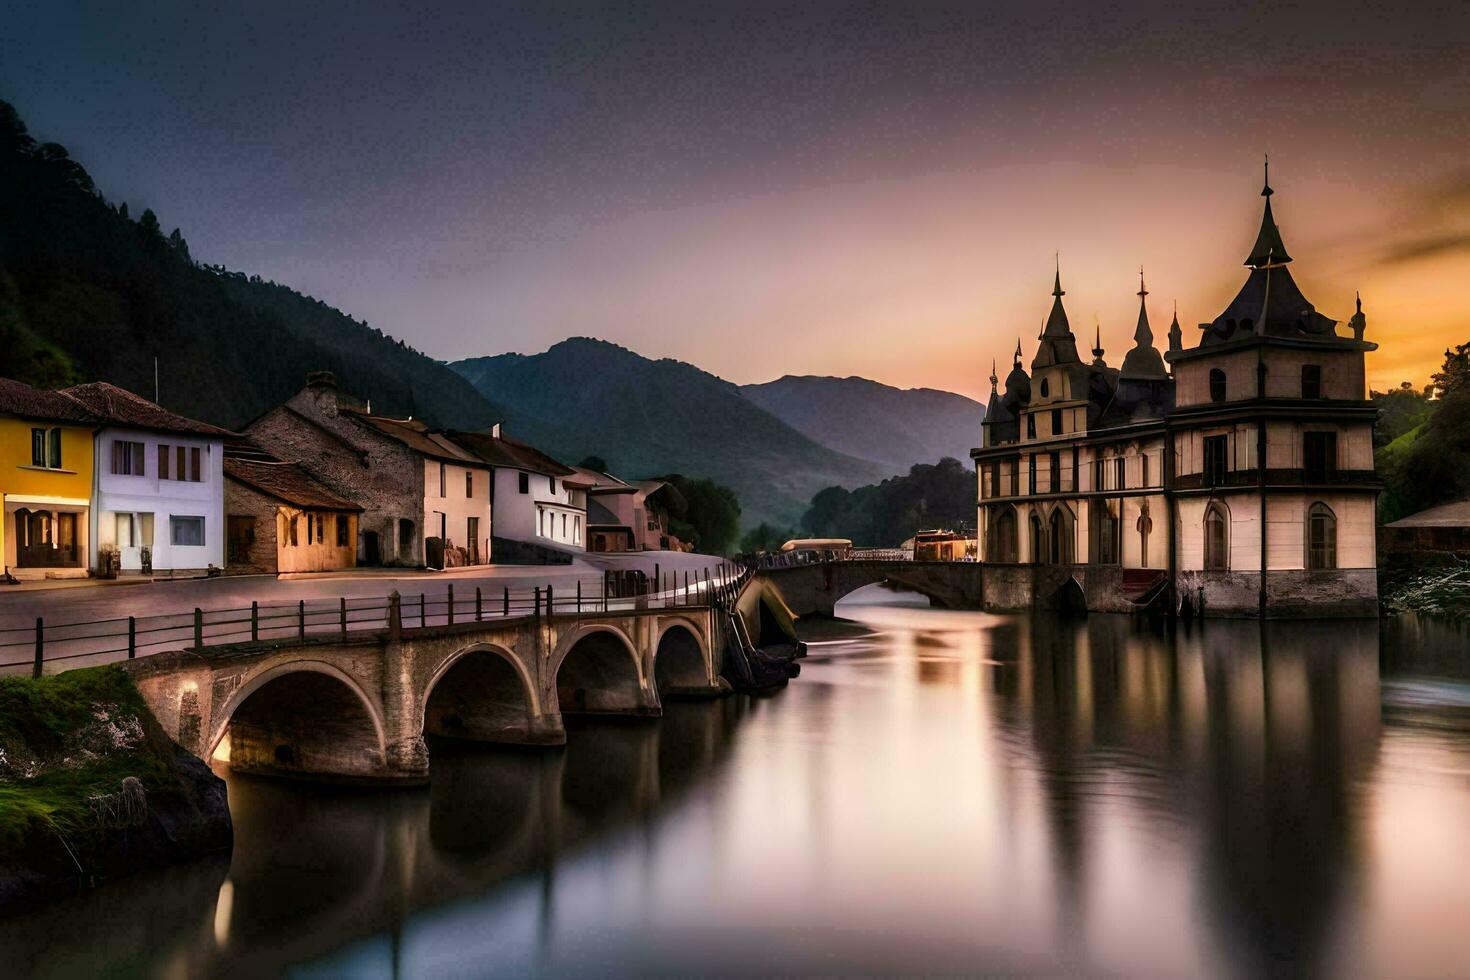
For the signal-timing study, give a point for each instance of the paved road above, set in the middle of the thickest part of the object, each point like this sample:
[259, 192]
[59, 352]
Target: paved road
[168, 607]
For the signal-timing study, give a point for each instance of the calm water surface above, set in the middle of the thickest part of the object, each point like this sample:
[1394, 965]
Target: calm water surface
[937, 792]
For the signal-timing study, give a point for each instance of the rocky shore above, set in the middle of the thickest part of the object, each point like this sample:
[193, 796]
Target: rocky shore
[91, 788]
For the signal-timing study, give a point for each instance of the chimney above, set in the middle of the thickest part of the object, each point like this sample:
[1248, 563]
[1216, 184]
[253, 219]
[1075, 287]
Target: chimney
[495, 430]
[323, 388]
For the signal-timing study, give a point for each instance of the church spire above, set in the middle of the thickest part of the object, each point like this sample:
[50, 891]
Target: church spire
[1056, 289]
[1097, 347]
[1269, 248]
[1143, 334]
[1018, 353]
[994, 380]
[1176, 336]
[1056, 322]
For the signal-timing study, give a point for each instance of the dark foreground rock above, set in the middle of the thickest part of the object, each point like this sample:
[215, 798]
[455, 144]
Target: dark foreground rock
[91, 788]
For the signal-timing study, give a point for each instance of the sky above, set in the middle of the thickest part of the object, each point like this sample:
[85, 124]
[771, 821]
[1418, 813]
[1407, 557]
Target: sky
[782, 188]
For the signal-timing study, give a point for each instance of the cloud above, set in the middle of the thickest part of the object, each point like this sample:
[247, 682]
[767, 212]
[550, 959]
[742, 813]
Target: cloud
[1427, 247]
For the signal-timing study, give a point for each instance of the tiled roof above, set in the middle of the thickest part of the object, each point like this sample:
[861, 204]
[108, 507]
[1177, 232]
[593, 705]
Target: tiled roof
[285, 481]
[505, 451]
[17, 398]
[1456, 514]
[597, 482]
[416, 436]
[118, 406]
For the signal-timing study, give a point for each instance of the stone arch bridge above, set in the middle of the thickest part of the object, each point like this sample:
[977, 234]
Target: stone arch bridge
[357, 707]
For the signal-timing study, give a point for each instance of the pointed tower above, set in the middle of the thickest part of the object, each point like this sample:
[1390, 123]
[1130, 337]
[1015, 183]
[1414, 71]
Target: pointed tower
[1097, 348]
[1058, 345]
[1018, 383]
[1269, 248]
[1358, 323]
[1176, 335]
[1144, 362]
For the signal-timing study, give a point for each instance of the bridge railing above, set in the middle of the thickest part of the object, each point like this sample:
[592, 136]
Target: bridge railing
[51, 646]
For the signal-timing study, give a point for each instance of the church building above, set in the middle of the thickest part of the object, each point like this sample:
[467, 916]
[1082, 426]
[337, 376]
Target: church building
[1234, 477]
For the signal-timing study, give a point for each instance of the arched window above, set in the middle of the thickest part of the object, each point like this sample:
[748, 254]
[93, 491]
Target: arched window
[1003, 537]
[1105, 534]
[1217, 385]
[1038, 541]
[1060, 533]
[1321, 537]
[1217, 538]
[1045, 388]
[1311, 381]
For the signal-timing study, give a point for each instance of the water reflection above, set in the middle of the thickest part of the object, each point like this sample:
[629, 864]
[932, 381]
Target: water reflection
[939, 791]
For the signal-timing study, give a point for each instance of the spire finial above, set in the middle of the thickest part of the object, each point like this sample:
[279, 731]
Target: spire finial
[1056, 289]
[993, 379]
[1142, 289]
[1358, 298]
[1266, 190]
[1018, 352]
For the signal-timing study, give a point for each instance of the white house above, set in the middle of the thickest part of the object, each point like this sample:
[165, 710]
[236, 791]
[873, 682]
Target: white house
[158, 483]
[536, 500]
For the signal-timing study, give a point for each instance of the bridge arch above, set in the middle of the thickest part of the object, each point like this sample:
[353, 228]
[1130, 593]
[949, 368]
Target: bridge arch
[481, 692]
[305, 717]
[596, 670]
[681, 659]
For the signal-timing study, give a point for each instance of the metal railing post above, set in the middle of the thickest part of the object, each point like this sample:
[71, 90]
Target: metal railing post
[550, 603]
[451, 604]
[344, 618]
[536, 602]
[479, 606]
[579, 595]
[132, 637]
[40, 647]
[505, 600]
[422, 621]
[301, 619]
[395, 615]
[198, 628]
[254, 621]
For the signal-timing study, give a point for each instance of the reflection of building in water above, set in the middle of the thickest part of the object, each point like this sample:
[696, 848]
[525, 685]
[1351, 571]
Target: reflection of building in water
[1240, 476]
[1252, 735]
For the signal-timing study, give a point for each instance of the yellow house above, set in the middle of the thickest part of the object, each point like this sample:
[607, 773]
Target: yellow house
[45, 482]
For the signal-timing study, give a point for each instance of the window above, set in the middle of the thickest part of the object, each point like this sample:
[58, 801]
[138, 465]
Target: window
[181, 456]
[188, 531]
[1002, 542]
[1056, 421]
[344, 531]
[321, 521]
[1031, 426]
[1045, 388]
[1056, 472]
[292, 536]
[163, 458]
[1106, 531]
[552, 481]
[1217, 385]
[472, 538]
[196, 471]
[525, 482]
[1319, 456]
[1120, 467]
[1016, 478]
[46, 448]
[1311, 381]
[1143, 461]
[995, 479]
[1059, 534]
[576, 530]
[1217, 538]
[1038, 541]
[124, 530]
[127, 458]
[1097, 474]
[469, 484]
[310, 527]
[563, 525]
[1217, 460]
[443, 486]
[1031, 462]
[1321, 537]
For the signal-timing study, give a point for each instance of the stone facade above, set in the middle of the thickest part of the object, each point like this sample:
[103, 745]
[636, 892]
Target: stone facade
[1240, 475]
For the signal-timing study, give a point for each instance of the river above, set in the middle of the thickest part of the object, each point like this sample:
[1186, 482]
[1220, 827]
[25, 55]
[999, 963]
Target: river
[937, 792]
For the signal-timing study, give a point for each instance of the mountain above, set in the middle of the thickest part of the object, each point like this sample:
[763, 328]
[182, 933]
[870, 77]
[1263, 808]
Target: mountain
[87, 293]
[647, 417]
[863, 418]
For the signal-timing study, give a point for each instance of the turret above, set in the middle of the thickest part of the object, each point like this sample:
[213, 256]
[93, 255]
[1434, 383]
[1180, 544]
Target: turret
[1144, 362]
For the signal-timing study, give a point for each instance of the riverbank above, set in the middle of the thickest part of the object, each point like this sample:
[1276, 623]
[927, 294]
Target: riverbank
[91, 788]
[1427, 586]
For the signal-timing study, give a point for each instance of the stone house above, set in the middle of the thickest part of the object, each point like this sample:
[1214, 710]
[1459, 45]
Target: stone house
[1241, 481]
[623, 516]
[280, 519]
[424, 499]
[540, 504]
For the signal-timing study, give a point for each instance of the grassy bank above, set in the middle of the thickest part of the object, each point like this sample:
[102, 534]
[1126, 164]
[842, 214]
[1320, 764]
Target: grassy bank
[1428, 586]
[92, 787]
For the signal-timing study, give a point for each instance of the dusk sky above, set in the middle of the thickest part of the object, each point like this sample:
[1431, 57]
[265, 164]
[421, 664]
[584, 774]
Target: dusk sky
[763, 189]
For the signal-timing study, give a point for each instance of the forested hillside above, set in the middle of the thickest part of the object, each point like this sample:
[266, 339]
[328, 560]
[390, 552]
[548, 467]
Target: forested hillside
[87, 293]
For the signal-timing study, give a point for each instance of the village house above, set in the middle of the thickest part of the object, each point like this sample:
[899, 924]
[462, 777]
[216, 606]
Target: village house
[540, 504]
[425, 500]
[1241, 482]
[45, 483]
[280, 519]
[623, 516]
[158, 494]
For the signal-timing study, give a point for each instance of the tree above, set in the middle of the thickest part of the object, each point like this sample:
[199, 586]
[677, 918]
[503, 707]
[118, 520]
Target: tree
[148, 221]
[1400, 410]
[711, 513]
[941, 495]
[1435, 467]
[765, 537]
